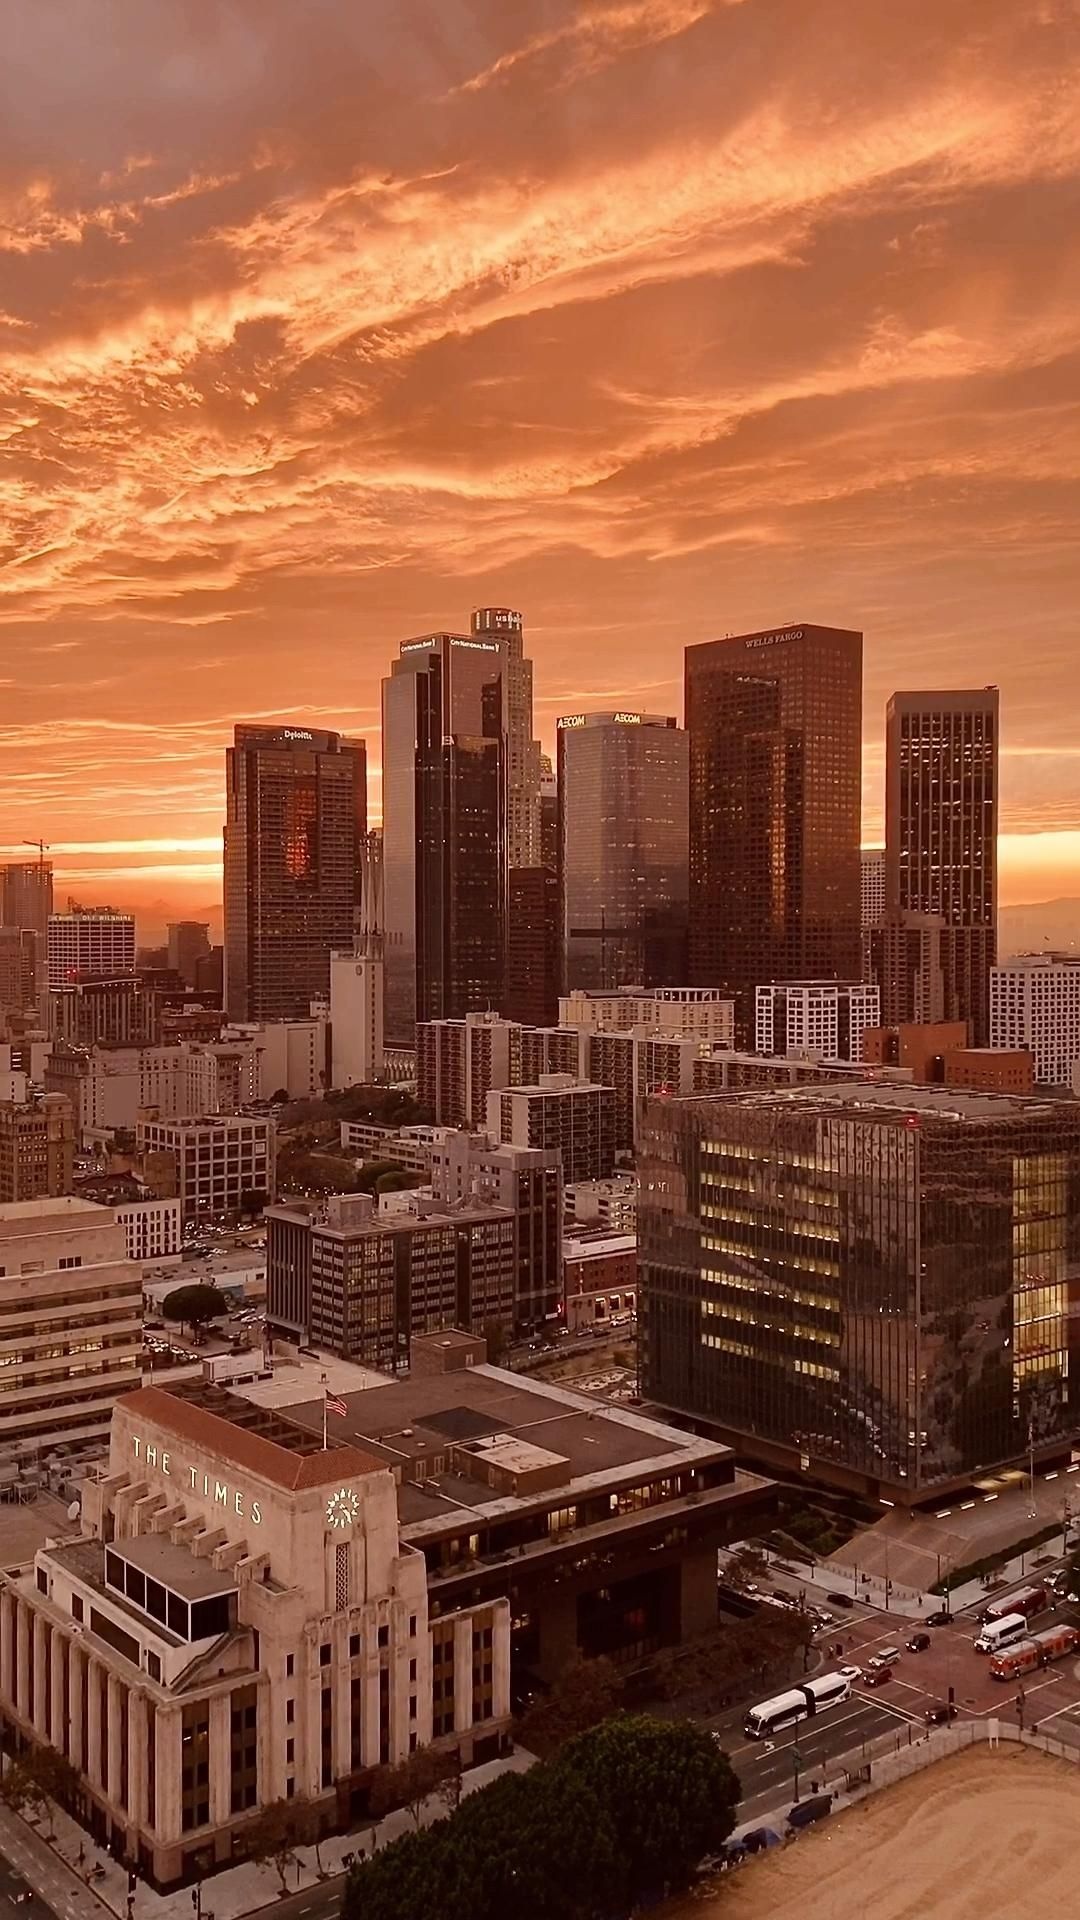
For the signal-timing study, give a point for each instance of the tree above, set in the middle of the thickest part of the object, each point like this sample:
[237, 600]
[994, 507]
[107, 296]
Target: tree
[585, 1693]
[280, 1098]
[252, 1201]
[413, 1781]
[272, 1837]
[666, 1789]
[397, 1182]
[307, 1829]
[36, 1780]
[748, 1564]
[369, 1175]
[194, 1304]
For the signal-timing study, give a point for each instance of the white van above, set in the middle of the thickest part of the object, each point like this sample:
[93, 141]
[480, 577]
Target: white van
[1001, 1633]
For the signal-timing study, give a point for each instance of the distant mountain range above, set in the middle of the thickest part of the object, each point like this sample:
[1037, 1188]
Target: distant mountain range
[1046, 923]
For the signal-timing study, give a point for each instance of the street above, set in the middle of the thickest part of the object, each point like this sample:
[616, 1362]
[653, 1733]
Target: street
[311, 1903]
[13, 1884]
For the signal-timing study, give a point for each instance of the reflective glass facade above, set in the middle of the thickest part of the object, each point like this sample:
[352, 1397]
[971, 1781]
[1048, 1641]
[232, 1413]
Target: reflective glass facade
[623, 850]
[941, 823]
[296, 816]
[775, 726]
[444, 830]
[872, 1282]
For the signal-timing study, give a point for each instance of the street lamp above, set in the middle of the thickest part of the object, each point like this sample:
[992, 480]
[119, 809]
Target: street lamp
[796, 1763]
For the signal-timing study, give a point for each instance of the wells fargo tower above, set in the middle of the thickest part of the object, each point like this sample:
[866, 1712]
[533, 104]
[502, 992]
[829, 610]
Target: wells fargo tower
[775, 726]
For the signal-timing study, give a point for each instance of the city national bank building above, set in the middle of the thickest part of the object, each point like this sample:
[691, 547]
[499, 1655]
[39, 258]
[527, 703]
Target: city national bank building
[239, 1623]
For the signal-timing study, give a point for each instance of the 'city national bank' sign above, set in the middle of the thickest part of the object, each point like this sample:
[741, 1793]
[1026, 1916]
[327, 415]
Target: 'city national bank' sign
[193, 1480]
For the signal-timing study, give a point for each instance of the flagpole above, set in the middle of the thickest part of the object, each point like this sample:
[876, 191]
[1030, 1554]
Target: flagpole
[324, 1413]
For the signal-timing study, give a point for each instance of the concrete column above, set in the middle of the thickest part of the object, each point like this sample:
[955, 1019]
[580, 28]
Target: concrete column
[500, 1691]
[58, 1692]
[370, 1719]
[137, 1758]
[309, 1748]
[7, 1645]
[41, 1664]
[463, 1666]
[220, 1760]
[114, 1731]
[167, 1774]
[94, 1689]
[22, 1659]
[342, 1685]
[76, 1730]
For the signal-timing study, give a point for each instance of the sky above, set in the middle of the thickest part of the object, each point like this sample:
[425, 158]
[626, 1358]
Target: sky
[321, 324]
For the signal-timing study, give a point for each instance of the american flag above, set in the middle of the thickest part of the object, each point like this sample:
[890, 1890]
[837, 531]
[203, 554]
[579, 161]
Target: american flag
[334, 1405]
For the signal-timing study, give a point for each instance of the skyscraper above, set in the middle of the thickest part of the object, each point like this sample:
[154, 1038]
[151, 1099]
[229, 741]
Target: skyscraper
[189, 942]
[775, 726]
[89, 943]
[357, 984]
[523, 758]
[623, 849]
[444, 829]
[296, 802]
[941, 806]
[26, 895]
[872, 877]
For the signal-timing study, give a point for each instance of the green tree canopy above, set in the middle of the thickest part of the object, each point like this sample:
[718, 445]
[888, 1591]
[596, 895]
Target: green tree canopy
[194, 1304]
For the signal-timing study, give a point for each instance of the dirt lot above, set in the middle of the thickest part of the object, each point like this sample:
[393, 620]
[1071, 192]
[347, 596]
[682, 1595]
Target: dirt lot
[984, 1833]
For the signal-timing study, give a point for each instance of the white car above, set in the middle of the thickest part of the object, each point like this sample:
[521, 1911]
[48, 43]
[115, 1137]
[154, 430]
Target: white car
[851, 1674]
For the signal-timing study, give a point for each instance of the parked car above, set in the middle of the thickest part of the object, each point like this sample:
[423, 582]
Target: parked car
[805, 1812]
[942, 1618]
[939, 1716]
[841, 1599]
[918, 1643]
[880, 1677]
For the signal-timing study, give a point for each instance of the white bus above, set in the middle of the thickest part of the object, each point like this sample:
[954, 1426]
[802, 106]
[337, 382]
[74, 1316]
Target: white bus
[799, 1703]
[996, 1634]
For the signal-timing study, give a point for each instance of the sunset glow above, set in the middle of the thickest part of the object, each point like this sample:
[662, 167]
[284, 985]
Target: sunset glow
[657, 319]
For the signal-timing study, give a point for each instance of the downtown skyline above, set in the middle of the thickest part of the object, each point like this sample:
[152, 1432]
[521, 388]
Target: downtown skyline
[283, 383]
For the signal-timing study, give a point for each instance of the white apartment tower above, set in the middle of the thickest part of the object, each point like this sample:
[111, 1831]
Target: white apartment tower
[1035, 1003]
[815, 1017]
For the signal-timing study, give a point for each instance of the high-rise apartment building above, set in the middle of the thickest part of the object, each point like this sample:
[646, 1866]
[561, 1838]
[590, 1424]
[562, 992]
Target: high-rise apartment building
[26, 895]
[872, 884]
[869, 1282]
[623, 849]
[444, 829]
[70, 1321]
[189, 942]
[89, 943]
[459, 1061]
[571, 1117]
[816, 1017]
[903, 958]
[775, 726]
[1035, 1004]
[941, 819]
[296, 816]
[523, 760]
[37, 1148]
[358, 985]
[549, 814]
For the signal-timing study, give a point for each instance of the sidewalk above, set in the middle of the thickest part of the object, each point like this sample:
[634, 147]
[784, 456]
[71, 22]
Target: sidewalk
[57, 1869]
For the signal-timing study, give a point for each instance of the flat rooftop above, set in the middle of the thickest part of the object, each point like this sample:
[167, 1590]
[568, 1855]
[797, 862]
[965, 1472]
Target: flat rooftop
[406, 1420]
[872, 1096]
[175, 1567]
[64, 1209]
[25, 1526]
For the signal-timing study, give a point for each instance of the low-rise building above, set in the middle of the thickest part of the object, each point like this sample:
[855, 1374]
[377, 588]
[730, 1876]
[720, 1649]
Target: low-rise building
[238, 1621]
[360, 1283]
[211, 1164]
[598, 1525]
[611, 1204]
[152, 1231]
[1035, 1005]
[691, 1013]
[410, 1147]
[527, 1180]
[599, 1278]
[70, 1321]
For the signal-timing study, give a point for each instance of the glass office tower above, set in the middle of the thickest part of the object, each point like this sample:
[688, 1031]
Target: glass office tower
[444, 830]
[623, 850]
[775, 726]
[296, 816]
[941, 825]
[870, 1283]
